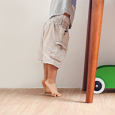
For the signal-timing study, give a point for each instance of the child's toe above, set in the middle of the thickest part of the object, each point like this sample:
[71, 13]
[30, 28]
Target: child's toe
[58, 94]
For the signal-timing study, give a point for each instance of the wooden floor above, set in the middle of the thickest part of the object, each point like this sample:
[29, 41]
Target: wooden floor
[72, 102]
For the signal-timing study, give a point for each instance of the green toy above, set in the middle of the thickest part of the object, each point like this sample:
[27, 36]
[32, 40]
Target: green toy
[105, 78]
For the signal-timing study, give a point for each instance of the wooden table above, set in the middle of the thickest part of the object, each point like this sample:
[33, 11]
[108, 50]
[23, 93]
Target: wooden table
[92, 47]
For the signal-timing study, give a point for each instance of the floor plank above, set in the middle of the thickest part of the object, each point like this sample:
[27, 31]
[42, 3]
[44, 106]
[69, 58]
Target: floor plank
[34, 101]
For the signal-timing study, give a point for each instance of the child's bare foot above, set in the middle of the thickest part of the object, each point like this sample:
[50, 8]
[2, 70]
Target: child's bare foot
[46, 89]
[53, 88]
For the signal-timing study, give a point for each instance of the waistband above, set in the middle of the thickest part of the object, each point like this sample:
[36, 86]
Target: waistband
[65, 18]
[61, 19]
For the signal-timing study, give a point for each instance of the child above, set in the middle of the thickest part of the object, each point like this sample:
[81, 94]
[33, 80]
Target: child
[54, 41]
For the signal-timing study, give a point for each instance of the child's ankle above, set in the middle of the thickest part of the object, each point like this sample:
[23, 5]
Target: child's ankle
[51, 80]
[44, 79]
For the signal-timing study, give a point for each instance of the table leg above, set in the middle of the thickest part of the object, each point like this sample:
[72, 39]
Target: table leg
[87, 48]
[95, 32]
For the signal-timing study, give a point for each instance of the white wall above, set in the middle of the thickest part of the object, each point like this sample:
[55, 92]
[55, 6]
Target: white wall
[21, 23]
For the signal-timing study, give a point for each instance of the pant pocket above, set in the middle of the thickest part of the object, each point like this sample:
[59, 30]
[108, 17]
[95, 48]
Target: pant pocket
[58, 51]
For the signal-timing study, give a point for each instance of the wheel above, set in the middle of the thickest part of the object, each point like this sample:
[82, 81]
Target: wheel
[99, 86]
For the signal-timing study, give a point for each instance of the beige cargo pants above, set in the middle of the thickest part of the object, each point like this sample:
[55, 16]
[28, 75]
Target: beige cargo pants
[54, 41]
